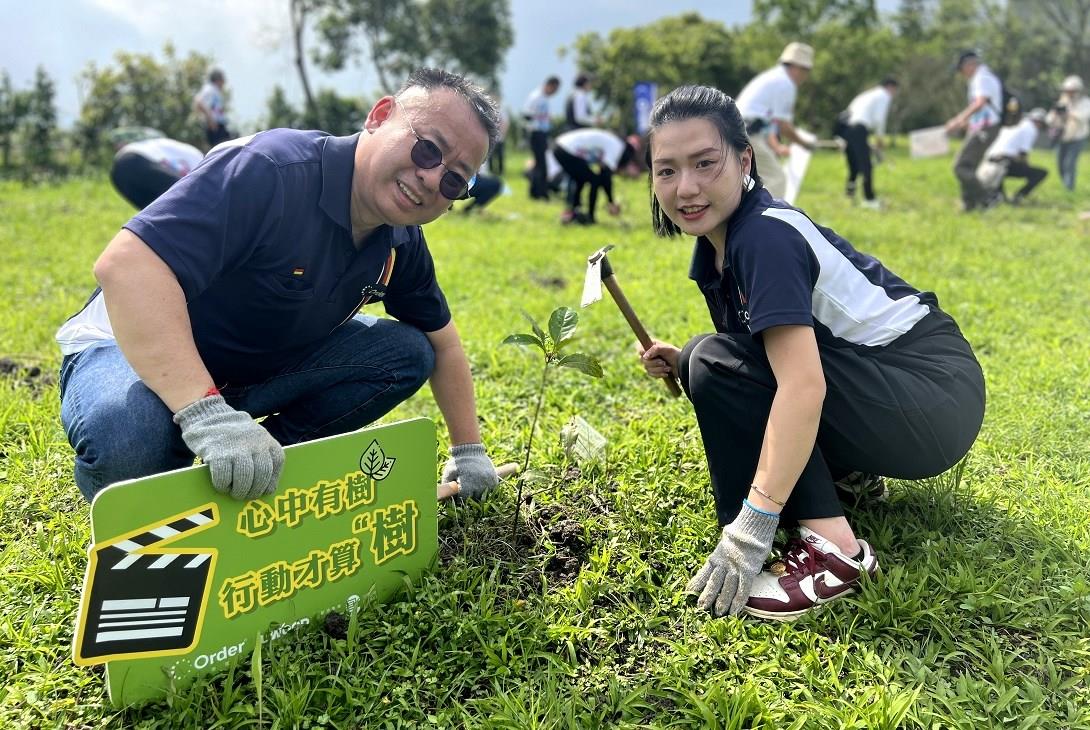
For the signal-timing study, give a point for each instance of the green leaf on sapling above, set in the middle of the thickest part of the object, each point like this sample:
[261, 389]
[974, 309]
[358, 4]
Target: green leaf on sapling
[562, 325]
[537, 328]
[583, 363]
[524, 340]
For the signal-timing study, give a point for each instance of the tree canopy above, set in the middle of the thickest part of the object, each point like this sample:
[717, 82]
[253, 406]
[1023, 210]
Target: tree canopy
[1032, 45]
[470, 37]
[139, 90]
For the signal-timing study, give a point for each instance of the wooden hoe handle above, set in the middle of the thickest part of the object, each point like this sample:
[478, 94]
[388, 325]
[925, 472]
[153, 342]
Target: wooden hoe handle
[446, 490]
[610, 283]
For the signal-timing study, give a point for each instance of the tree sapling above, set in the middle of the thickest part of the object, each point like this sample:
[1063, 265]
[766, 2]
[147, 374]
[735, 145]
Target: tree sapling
[562, 325]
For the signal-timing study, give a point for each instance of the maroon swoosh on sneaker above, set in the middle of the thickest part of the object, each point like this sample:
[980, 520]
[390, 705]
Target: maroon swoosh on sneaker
[825, 592]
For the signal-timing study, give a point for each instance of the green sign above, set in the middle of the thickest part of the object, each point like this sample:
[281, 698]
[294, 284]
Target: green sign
[181, 580]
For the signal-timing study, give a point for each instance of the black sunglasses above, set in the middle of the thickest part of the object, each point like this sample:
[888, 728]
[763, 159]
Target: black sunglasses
[426, 155]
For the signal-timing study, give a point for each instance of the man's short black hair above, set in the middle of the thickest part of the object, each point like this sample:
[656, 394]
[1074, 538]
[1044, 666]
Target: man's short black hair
[483, 105]
[582, 80]
[555, 80]
[215, 76]
[969, 54]
[890, 81]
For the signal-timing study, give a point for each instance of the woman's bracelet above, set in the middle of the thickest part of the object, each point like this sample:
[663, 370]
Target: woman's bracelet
[766, 495]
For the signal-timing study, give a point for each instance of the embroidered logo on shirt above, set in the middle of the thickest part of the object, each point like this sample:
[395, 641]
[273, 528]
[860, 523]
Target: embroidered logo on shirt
[376, 291]
[372, 292]
[297, 271]
[743, 310]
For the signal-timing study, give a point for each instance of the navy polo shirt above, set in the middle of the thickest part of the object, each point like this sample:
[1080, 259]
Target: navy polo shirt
[782, 269]
[260, 239]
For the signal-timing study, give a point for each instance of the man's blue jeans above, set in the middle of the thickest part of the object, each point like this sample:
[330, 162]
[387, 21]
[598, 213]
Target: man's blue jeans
[1067, 158]
[121, 430]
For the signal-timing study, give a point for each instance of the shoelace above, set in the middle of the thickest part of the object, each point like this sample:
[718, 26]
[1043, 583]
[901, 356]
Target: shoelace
[802, 558]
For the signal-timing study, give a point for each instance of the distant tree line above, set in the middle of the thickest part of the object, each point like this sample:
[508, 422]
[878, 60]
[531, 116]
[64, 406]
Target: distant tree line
[28, 128]
[390, 37]
[1032, 44]
[137, 90]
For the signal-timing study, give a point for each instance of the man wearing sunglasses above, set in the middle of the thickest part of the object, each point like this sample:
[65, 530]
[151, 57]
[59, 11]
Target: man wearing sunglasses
[236, 294]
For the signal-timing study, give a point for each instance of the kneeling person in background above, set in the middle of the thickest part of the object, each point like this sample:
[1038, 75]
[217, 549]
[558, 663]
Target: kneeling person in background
[1008, 156]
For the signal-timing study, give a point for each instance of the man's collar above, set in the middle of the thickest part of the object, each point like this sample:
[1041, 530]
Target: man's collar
[338, 167]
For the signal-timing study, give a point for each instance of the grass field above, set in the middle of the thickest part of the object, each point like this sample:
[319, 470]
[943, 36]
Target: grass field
[979, 620]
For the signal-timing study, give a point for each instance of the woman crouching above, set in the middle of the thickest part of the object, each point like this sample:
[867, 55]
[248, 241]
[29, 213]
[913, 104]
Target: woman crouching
[826, 370]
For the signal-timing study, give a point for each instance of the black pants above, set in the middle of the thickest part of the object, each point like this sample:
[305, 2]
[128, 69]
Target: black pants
[1023, 170]
[140, 180]
[859, 162]
[483, 191]
[495, 162]
[972, 152]
[581, 174]
[216, 134]
[908, 410]
[539, 176]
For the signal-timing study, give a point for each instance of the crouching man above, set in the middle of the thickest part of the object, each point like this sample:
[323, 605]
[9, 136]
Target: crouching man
[236, 293]
[1008, 157]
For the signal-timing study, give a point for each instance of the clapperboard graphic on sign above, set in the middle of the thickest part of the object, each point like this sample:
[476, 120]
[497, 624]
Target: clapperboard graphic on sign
[142, 598]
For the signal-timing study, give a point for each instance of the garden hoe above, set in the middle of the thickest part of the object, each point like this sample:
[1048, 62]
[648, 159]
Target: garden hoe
[599, 272]
[446, 490]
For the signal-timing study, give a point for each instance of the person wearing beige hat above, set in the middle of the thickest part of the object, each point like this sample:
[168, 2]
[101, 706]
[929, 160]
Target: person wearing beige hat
[767, 105]
[1071, 115]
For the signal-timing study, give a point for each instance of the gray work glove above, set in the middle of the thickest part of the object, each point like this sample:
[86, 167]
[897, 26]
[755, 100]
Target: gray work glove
[470, 466]
[723, 583]
[244, 458]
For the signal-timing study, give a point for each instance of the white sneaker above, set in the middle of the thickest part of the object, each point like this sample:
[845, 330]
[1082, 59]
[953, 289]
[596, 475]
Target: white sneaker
[875, 204]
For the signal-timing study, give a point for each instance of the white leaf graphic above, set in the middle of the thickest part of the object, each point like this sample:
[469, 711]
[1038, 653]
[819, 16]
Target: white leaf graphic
[384, 470]
[373, 461]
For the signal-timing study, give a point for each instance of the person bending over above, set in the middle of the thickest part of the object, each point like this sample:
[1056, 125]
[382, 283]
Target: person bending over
[576, 151]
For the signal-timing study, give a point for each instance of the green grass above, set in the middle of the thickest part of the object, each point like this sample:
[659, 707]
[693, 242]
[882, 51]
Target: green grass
[980, 618]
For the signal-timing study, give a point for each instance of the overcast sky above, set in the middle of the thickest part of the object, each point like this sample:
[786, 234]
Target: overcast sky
[250, 40]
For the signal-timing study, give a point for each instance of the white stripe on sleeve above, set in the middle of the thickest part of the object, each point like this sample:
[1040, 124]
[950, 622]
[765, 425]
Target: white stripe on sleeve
[845, 300]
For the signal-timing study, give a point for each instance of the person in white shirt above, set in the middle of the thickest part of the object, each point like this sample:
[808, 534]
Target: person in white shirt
[767, 104]
[209, 104]
[578, 149]
[577, 111]
[866, 114]
[1071, 117]
[1008, 157]
[981, 119]
[538, 118]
